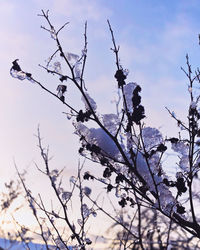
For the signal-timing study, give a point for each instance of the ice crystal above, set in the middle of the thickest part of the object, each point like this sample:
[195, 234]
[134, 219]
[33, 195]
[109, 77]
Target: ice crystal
[73, 179]
[53, 33]
[80, 222]
[47, 234]
[190, 89]
[21, 75]
[60, 190]
[69, 116]
[103, 180]
[90, 100]
[118, 191]
[84, 52]
[126, 72]
[77, 70]
[154, 181]
[173, 114]
[30, 79]
[18, 74]
[111, 123]
[57, 67]
[61, 90]
[54, 175]
[72, 57]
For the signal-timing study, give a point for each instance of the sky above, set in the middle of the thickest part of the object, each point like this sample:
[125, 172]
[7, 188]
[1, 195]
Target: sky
[154, 37]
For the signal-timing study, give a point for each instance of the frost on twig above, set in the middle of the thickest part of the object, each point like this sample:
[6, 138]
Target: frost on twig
[16, 72]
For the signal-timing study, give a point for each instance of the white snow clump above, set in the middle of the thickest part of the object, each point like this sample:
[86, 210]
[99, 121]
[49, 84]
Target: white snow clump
[99, 138]
[155, 183]
[183, 150]
[151, 137]
[128, 92]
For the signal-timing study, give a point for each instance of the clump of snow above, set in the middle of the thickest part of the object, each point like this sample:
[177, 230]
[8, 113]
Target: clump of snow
[18, 74]
[148, 171]
[98, 137]
[154, 181]
[184, 163]
[151, 137]
[128, 92]
[182, 149]
[101, 139]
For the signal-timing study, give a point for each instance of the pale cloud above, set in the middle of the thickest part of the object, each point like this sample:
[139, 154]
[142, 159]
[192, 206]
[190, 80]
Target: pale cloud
[76, 10]
[81, 10]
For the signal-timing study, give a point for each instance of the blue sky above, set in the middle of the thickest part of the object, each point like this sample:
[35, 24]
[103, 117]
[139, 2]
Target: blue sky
[154, 37]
